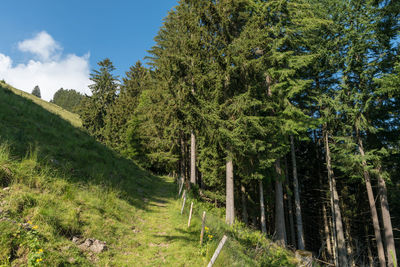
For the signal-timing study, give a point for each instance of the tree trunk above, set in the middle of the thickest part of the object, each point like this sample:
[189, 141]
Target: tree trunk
[299, 220]
[230, 201]
[192, 141]
[333, 239]
[262, 207]
[289, 205]
[349, 240]
[279, 209]
[387, 223]
[245, 215]
[369, 250]
[336, 214]
[326, 232]
[371, 200]
[187, 161]
[192, 158]
[182, 160]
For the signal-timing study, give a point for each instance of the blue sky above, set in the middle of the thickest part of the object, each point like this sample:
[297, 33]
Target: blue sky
[36, 35]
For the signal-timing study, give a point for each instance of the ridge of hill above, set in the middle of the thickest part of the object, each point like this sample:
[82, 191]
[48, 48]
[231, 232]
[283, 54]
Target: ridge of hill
[58, 185]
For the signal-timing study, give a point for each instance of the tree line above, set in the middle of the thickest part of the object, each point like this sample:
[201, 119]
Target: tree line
[284, 112]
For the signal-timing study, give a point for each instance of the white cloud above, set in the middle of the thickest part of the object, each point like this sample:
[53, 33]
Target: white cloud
[50, 71]
[42, 45]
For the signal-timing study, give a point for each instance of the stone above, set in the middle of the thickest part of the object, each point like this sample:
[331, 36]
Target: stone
[76, 240]
[6, 189]
[90, 244]
[98, 246]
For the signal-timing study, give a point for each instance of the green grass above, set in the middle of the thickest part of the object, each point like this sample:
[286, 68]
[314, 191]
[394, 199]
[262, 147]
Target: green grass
[65, 114]
[66, 184]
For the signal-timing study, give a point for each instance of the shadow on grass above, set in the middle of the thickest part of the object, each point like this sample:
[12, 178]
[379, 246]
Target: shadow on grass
[70, 152]
[183, 237]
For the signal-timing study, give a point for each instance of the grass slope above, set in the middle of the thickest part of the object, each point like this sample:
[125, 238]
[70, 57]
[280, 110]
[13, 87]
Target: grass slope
[62, 183]
[53, 108]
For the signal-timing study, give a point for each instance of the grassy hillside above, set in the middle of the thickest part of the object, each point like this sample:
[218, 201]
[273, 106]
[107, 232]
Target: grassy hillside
[65, 114]
[57, 183]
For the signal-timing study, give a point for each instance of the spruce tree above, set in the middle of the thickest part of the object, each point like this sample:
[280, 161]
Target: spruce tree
[94, 108]
[36, 91]
[123, 108]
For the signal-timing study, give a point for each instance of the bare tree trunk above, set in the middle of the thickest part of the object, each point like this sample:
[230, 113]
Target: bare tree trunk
[182, 160]
[279, 209]
[263, 220]
[371, 200]
[187, 161]
[387, 223]
[349, 240]
[299, 220]
[192, 141]
[333, 238]
[369, 250]
[336, 214]
[230, 201]
[245, 215]
[289, 205]
[326, 232]
[192, 158]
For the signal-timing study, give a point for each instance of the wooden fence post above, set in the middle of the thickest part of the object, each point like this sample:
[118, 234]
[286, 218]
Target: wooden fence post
[203, 224]
[190, 214]
[184, 200]
[217, 251]
[181, 186]
[184, 194]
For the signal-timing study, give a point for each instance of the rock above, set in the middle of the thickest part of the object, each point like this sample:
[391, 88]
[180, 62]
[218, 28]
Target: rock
[6, 189]
[98, 246]
[90, 244]
[76, 240]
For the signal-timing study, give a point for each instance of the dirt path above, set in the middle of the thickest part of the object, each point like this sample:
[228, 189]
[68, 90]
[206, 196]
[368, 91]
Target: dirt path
[160, 234]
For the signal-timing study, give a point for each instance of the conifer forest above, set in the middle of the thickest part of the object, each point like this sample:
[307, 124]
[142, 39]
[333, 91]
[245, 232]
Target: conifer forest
[284, 112]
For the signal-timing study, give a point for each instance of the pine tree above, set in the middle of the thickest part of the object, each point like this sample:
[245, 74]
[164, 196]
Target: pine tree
[94, 108]
[36, 91]
[123, 108]
[363, 50]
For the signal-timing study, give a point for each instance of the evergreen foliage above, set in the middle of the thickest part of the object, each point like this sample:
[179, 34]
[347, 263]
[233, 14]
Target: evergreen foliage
[94, 108]
[68, 99]
[248, 76]
[36, 91]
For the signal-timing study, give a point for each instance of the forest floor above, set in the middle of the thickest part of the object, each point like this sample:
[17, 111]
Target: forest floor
[59, 186]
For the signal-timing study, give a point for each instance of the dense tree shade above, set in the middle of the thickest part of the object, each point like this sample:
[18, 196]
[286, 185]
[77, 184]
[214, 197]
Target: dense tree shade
[286, 112]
